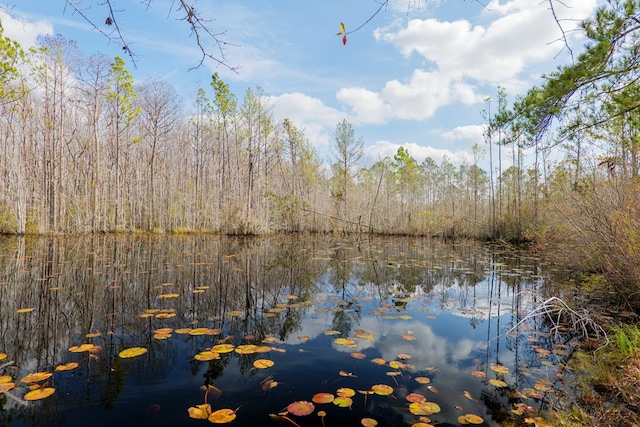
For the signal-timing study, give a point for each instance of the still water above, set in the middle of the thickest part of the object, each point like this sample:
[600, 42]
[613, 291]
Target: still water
[396, 330]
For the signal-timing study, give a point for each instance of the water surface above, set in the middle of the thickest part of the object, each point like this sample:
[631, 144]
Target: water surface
[432, 320]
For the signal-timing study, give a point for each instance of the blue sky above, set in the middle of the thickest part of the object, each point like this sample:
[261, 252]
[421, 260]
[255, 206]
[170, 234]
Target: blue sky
[416, 76]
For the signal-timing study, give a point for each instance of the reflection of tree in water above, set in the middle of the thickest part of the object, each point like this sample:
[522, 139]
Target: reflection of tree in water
[215, 368]
[112, 378]
[105, 282]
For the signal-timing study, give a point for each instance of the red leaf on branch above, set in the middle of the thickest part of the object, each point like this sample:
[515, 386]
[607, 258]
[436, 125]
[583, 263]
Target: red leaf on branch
[344, 39]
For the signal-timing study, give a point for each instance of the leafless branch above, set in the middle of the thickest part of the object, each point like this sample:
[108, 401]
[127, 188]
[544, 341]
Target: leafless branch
[110, 20]
[201, 27]
[125, 45]
[562, 30]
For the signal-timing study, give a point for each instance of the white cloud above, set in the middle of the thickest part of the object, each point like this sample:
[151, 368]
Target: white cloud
[24, 32]
[523, 33]
[463, 56]
[382, 149]
[310, 114]
[417, 99]
[468, 135]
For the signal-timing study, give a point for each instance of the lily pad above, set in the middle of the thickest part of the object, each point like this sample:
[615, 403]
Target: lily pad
[301, 408]
[36, 377]
[263, 363]
[39, 393]
[132, 352]
[222, 416]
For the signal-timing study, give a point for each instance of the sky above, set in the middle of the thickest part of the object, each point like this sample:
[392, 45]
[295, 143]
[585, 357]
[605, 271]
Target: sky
[418, 74]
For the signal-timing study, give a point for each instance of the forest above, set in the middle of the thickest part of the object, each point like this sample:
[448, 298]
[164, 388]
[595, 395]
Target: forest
[86, 149]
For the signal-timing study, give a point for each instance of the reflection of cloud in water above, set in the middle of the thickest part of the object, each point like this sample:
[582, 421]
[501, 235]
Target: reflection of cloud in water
[428, 349]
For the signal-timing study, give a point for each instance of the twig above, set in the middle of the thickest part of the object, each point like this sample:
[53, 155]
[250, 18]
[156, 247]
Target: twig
[554, 309]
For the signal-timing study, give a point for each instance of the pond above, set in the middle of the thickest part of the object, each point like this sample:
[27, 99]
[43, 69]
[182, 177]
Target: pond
[156, 330]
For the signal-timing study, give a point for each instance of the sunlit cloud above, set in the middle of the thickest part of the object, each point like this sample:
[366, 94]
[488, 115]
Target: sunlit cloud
[383, 149]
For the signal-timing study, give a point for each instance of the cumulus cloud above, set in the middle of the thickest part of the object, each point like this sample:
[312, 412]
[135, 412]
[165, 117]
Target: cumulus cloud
[468, 135]
[522, 32]
[416, 99]
[382, 149]
[310, 114]
[24, 32]
[462, 57]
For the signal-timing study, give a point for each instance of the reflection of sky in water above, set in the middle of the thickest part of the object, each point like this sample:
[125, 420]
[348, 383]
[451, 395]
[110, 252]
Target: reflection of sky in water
[451, 340]
[457, 329]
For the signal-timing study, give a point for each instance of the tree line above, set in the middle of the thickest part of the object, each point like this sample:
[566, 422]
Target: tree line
[86, 149]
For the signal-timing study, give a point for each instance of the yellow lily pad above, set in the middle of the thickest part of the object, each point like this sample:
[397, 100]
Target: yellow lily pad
[36, 377]
[40, 393]
[132, 352]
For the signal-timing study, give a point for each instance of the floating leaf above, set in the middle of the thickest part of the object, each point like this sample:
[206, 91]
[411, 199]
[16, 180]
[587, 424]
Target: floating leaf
[422, 380]
[3, 356]
[432, 389]
[93, 335]
[263, 349]
[416, 397]
[204, 331]
[301, 408]
[36, 377]
[223, 348]
[200, 412]
[165, 315]
[81, 348]
[234, 313]
[378, 361]
[263, 363]
[246, 349]
[497, 383]
[478, 374]
[67, 367]
[358, 355]
[500, 369]
[322, 398]
[166, 296]
[332, 332]
[345, 392]
[346, 342]
[132, 352]
[424, 408]
[346, 374]
[394, 364]
[409, 337]
[5, 379]
[304, 338]
[404, 356]
[25, 310]
[206, 355]
[364, 334]
[4, 387]
[40, 393]
[468, 396]
[343, 402]
[368, 422]
[382, 389]
[222, 416]
[470, 419]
